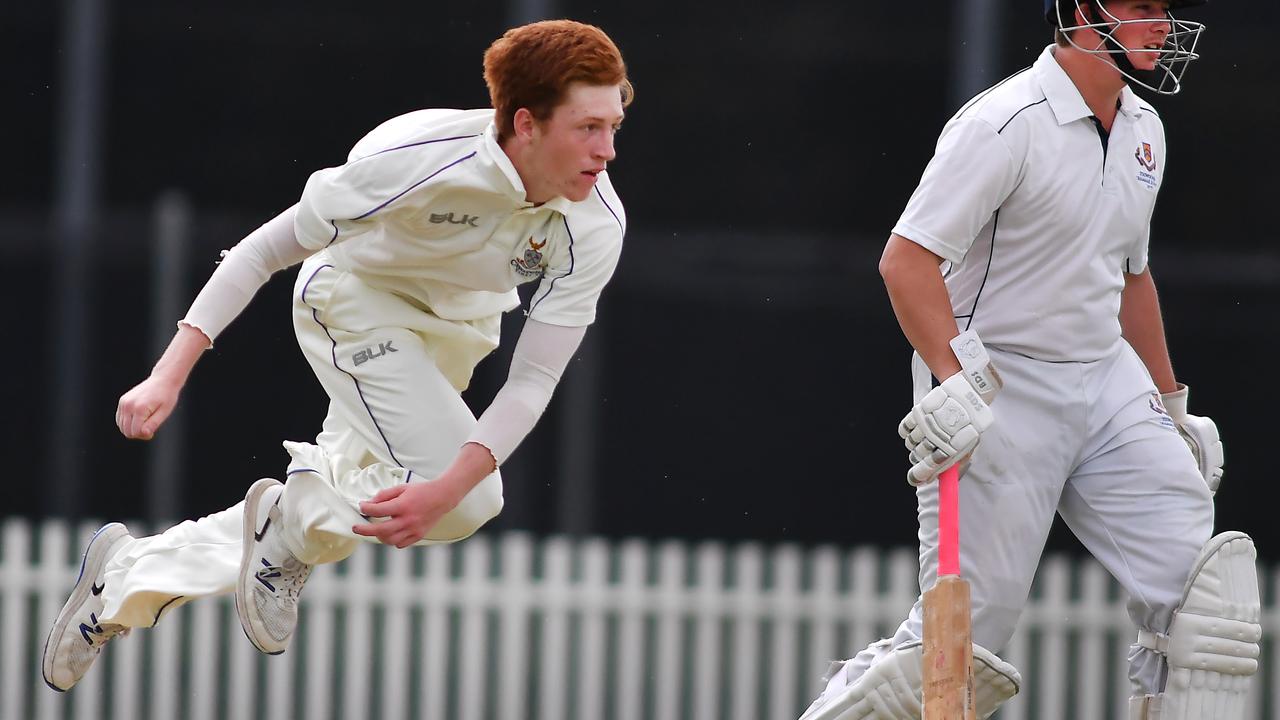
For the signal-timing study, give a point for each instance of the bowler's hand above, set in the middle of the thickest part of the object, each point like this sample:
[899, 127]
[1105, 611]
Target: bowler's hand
[144, 409]
[411, 510]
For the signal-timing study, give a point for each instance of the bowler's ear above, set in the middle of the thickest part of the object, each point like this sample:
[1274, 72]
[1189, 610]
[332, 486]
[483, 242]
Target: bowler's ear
[522, 123]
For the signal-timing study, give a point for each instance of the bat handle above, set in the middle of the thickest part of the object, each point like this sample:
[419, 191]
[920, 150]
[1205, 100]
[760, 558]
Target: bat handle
[949, 521]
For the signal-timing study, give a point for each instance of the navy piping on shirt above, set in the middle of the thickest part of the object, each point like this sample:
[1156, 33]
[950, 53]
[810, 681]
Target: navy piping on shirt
[572, 261]
[404, 192]
[402, 147]
[995, 223]
[1024, 107]
[416, 144]
[606, 205]
[984, 93]
[316, 316]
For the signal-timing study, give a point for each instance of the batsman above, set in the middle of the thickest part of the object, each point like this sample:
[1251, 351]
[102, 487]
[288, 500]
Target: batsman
[1027, 241]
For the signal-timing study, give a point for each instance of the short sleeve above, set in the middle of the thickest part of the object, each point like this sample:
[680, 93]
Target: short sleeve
[404, 175]
[969, 177]
[569, 290]
[353, 192]
[1136, 259]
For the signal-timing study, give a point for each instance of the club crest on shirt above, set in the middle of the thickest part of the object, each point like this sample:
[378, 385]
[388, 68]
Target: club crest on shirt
[1147, 160]
[530, 263]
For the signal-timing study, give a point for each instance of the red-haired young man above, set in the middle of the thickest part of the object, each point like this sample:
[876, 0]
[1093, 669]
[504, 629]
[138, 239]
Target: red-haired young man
[410, 252]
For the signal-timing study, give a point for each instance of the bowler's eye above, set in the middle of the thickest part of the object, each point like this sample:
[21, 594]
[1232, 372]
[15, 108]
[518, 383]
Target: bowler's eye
[617, 128]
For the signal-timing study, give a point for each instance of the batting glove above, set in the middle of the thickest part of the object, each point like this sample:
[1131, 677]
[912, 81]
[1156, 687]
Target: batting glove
[943, 428]
[1200, 434]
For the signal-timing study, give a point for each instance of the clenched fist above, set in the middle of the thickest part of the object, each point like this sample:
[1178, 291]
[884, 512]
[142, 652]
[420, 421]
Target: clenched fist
[144, 409]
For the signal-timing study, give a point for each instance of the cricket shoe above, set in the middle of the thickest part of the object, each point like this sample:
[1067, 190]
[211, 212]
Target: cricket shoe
[271, 578]
[77, 638]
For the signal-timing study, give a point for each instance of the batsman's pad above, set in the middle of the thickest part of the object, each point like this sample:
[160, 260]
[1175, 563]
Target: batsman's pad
[892, 688]
[1212, 645]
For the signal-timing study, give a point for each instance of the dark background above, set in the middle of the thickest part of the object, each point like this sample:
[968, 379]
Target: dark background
[748, 372]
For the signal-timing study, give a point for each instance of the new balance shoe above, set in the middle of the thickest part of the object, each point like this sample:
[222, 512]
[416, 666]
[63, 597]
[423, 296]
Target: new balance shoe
[271, 578]
[77, 638]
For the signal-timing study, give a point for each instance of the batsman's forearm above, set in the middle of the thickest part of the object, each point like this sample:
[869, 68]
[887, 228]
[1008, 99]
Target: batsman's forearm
[182, 354]
[921, 303]
[1143, 327]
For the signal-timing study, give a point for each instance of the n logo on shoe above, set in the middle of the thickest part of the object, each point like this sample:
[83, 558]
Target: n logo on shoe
[268, 571]
[86, 630]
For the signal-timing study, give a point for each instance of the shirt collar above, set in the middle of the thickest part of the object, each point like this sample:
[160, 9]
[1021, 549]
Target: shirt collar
[1129, 103]
[1063, 96]
[513, 185]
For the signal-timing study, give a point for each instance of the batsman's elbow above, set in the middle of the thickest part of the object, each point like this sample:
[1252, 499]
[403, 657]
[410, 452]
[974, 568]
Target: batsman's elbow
[903, 258]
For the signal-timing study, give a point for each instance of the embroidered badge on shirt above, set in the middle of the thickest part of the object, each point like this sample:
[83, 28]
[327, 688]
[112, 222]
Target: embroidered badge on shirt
[530, 264]
[1147, 159]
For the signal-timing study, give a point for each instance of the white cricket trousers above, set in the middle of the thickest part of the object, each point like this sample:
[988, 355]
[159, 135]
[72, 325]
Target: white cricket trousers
[1090, 442]
[393, 373]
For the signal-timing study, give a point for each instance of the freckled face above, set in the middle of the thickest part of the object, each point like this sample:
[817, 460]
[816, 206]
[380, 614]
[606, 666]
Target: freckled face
[573, 146]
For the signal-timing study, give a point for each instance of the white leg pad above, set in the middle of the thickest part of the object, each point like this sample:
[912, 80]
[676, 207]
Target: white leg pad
[891, 688]
[1212, 646]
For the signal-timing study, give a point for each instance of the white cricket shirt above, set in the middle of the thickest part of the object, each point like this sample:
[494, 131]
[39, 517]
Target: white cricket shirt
[1038, 222]
[429, 207]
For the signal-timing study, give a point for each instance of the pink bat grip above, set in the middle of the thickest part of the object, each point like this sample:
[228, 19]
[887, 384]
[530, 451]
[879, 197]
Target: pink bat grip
[949, 522]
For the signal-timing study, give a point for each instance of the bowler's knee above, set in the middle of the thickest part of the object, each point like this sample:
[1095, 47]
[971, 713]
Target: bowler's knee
[484, 502]
[481, 505]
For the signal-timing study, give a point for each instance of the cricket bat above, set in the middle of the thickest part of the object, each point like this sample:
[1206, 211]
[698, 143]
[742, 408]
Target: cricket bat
[948, 642]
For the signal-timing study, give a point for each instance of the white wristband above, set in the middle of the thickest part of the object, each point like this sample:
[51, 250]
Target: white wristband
[976, 365]
[1175, 403]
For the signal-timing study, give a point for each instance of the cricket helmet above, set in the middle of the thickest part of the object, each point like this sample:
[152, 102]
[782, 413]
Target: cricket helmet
[1178, 52]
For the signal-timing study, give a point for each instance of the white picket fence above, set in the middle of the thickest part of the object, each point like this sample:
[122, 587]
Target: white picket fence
[513, 627]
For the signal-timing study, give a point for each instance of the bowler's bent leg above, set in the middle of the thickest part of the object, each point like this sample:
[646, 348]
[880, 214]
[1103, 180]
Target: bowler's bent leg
[149, 576]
